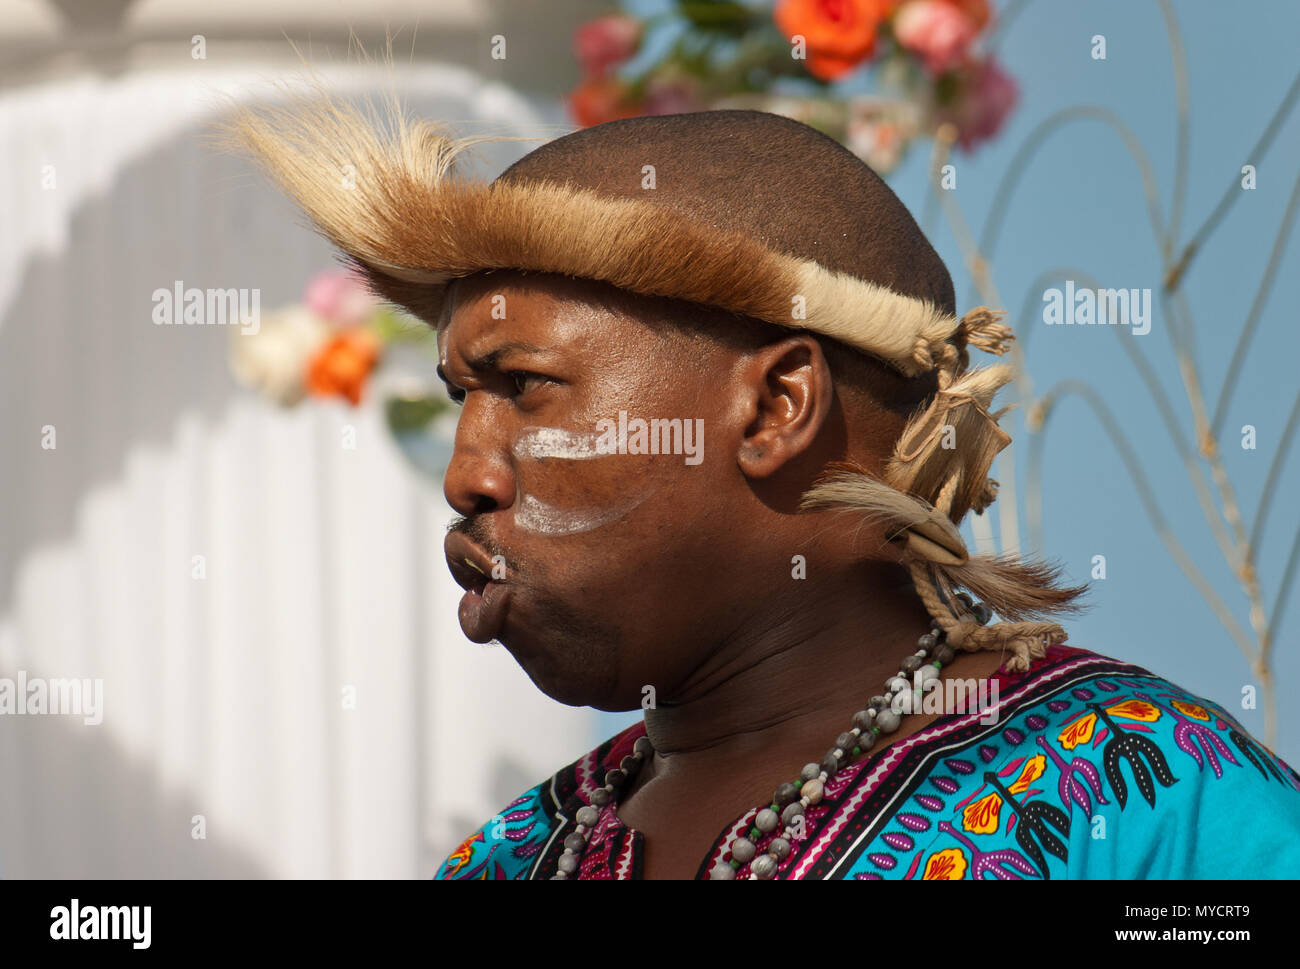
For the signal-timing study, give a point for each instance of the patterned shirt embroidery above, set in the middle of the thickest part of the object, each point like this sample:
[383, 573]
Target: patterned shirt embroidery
[1094, 768]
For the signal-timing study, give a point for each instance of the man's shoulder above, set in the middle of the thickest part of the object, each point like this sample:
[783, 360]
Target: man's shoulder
[1170, 783]
[1087, 767]
[1113, 699]
[508, 845]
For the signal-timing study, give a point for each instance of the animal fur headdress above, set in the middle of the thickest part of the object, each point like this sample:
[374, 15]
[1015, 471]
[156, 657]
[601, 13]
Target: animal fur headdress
[390, 196]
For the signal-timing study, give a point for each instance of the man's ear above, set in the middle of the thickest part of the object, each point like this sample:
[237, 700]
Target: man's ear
[791, 398]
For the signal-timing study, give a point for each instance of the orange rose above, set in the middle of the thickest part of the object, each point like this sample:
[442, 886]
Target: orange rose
[840, 34]
[830, 68]
[341, 366]
[600, 99]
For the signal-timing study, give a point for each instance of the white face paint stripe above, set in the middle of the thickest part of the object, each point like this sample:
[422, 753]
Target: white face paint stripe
[555, 442]
[535, 515]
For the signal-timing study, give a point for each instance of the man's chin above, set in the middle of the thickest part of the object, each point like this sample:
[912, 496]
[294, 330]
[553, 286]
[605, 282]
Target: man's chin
[566, 682]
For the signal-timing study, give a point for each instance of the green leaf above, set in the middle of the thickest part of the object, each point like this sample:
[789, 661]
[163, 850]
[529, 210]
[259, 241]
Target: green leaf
[393, 326]
[724, 16]
[414, 413]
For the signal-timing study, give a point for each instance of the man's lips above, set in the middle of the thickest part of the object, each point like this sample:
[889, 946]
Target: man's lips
[483, 607]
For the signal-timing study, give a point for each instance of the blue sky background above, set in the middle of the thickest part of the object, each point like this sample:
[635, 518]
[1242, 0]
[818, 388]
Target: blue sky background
[1080, 205]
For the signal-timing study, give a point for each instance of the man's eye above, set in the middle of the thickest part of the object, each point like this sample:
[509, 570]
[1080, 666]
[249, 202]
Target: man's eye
[526, 381]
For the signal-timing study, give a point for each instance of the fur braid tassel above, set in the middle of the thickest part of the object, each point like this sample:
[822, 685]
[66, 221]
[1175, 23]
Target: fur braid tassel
[924, 459]
[921, 354]
[982, 329]
[986, 497]
[1026, 641]
[1016, 589]
[923, 529]
[1022, 592]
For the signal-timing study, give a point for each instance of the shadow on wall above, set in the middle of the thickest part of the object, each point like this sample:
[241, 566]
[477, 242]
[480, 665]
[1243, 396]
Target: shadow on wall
[79, 352]
[99, 812]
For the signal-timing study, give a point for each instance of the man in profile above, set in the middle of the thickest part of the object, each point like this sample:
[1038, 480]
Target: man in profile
[787, 601]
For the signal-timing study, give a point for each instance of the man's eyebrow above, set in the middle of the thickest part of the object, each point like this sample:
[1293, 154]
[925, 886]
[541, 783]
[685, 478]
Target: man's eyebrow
[492, 358]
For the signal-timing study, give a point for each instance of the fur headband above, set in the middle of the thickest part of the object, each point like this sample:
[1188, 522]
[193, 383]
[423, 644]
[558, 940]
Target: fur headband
[388, 196]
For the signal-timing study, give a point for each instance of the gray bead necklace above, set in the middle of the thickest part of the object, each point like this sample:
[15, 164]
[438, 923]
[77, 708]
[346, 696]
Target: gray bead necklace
[790, 799]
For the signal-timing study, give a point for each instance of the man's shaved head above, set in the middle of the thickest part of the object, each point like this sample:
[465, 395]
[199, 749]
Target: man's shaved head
[779, 181]
[770, 177]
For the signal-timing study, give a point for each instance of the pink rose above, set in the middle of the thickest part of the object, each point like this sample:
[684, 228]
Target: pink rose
[672, 95]
[939, 33]
[340, 297]
[606, 42]
[988, 95]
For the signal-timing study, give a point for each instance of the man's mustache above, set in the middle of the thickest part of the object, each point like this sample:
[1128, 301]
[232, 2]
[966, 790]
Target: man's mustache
[474, 527]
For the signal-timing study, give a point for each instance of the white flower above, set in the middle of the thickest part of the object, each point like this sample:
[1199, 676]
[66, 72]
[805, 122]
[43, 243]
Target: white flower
[274, 359]
[879, 131]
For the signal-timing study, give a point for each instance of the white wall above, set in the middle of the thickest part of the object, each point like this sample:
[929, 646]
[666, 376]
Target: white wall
[323, 565]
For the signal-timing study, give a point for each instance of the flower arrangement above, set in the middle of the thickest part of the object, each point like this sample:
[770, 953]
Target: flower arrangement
[329, 345]
[338, 343]
[804, 59]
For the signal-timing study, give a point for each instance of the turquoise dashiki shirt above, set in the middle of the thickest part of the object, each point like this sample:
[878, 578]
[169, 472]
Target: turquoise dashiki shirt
[1094, 769]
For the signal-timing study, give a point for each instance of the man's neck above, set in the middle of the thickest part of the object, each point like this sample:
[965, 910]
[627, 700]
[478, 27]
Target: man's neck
[791, 678]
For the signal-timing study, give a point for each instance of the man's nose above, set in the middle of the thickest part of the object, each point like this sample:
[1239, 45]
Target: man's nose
[479, 478]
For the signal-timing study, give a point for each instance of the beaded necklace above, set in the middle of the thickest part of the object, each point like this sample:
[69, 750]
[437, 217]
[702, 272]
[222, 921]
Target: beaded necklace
[791, 798]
